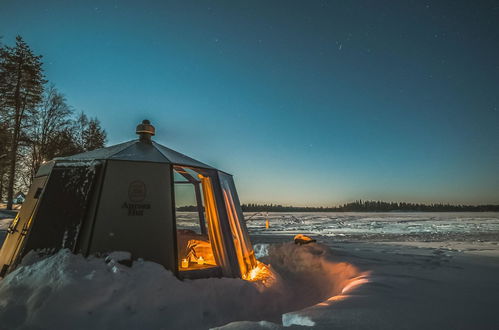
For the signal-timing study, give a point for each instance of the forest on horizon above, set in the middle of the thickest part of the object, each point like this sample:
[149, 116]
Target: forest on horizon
[364, 206]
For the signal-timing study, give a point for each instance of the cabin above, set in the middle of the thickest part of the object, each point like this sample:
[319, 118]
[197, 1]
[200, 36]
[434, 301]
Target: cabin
[19, 198]
[125, 198]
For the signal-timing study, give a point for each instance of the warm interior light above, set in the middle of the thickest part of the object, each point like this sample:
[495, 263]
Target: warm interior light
[214, 230]
[261, 273]
[267, 225]
[201, 260]
[197, 249]
[244, 251]
[185, 263]
[202, 246]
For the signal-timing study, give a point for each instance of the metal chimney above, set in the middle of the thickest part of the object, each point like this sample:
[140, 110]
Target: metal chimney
[145, 131]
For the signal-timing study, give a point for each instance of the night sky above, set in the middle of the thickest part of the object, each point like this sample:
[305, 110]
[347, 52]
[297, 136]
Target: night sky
[305, 102]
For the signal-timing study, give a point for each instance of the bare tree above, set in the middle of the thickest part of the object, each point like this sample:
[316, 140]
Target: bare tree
[51, 119]
[88, 133]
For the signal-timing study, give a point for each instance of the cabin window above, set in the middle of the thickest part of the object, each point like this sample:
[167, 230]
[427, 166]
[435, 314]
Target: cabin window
[244, 249]
[199, 239]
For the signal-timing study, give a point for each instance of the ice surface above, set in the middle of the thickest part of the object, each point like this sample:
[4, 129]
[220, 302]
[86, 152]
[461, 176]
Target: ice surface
[354, 224]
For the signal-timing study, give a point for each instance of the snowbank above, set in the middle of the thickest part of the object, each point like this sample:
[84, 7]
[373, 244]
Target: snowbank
[67, 291]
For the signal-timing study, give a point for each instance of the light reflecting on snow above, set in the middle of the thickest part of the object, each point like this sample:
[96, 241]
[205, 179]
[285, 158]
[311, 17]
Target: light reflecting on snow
[98, 292]
[354, 282]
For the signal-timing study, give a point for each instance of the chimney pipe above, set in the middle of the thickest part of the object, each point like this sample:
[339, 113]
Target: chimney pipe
[145, 131]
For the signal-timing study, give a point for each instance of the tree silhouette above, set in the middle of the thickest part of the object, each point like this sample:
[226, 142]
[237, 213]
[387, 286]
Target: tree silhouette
[21, 87]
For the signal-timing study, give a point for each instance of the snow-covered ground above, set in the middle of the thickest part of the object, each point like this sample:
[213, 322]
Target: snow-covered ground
[367, 270]
[427, 270]
[6, 218]
[401, 226]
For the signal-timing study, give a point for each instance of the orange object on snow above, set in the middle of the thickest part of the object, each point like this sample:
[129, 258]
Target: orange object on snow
[302, 239]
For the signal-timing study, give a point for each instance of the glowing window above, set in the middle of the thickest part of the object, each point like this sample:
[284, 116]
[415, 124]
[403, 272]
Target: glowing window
[244, 249]
[199, 238]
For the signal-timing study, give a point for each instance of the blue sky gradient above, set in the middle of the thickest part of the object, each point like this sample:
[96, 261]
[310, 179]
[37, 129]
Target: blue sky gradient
[305, 102]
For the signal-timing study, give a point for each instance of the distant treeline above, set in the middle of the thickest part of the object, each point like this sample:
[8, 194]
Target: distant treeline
[373, 206]
[362, 206]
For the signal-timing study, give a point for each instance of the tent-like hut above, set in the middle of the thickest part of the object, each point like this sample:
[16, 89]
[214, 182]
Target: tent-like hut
[123, 198]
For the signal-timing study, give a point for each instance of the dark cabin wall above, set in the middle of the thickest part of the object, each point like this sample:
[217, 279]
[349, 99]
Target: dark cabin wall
[62, 207]
[135, 212]
[85, 235]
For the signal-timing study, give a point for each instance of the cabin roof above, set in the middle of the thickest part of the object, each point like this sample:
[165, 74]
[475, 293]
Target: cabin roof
[136, 150]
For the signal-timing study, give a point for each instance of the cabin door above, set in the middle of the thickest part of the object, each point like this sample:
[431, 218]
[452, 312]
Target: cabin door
[20, 225]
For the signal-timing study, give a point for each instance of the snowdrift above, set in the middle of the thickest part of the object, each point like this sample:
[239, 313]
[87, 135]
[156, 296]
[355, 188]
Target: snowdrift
[66, 291]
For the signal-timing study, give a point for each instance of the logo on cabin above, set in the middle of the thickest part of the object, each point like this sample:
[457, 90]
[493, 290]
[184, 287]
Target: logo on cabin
[136, 194]
[137, 191]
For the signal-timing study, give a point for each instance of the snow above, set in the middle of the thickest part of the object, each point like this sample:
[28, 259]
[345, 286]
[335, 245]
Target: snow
[87, 163]
[426, 270]
[102, 293]
[5, 223]
[347, 224]
[290, 319]
[6, 218]
[261, 250]
[248, 325]
[368, 271]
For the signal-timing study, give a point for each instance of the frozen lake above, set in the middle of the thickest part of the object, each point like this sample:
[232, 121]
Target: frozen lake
[399, 226]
